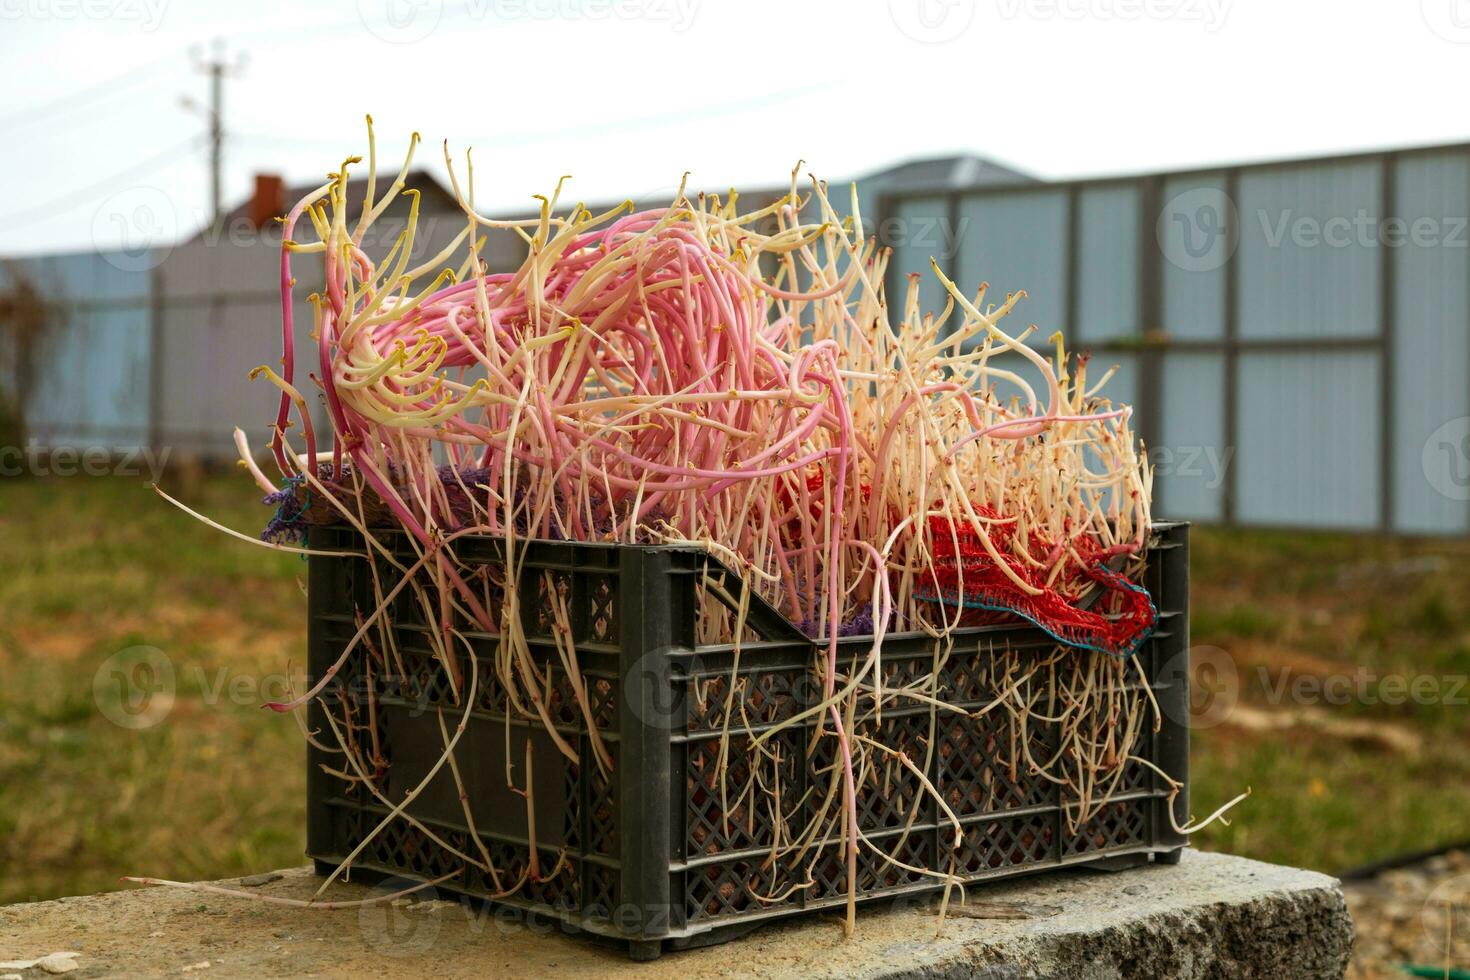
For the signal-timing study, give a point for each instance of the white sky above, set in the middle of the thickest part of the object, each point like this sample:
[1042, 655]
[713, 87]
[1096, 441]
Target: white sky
[627, 94]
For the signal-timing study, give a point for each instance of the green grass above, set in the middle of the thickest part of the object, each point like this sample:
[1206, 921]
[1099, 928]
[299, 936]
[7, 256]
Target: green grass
[95, 567]
[1378, 615]
[1318, 803]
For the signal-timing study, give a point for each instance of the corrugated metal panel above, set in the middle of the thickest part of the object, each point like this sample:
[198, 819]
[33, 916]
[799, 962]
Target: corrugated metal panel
[1308, 258]
[250, 265]
[91, 380]
[1107, 259]
[1193, 236]
[208, 352]
[1308, 251]
[503, 251]
[127, 277]
[1007, 391]
[84, 277]
[222, 318]
[243, 262]
[1122, 388]
[1191, 462]
[1310, 431]
[102, 276]
[1018, 241]
[92, 362]
[917, 233]
[1432, 346]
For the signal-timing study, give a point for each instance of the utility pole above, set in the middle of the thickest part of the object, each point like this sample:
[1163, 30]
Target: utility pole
[218, 69]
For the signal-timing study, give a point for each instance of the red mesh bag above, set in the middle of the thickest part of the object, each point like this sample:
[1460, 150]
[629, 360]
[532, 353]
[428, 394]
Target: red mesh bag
[965, 574]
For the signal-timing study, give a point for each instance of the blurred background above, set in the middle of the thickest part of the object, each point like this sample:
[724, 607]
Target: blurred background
[1256, 211]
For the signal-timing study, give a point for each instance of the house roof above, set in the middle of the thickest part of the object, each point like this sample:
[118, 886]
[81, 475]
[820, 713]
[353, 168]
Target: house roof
[940, 173]
[943, 173]
[433, 194]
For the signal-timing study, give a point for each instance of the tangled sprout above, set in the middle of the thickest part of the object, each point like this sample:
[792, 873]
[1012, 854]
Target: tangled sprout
[737, 380]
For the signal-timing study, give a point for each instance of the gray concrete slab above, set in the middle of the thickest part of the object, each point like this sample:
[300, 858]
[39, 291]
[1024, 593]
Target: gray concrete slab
[1210, 916]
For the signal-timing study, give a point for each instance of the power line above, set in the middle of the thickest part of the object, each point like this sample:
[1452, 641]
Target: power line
[92, 93]
[659, 120]
[217, 71]
[93, 191]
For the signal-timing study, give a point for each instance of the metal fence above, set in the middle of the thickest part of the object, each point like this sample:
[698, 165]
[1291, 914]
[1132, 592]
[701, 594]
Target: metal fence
[1294, 337]
[153, 348]
[87, 373]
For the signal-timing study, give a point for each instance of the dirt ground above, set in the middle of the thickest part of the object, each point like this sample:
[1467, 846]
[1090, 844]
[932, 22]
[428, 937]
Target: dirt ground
[1417, 915]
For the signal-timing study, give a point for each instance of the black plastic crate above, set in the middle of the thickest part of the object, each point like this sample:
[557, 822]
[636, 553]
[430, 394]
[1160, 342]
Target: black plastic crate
[652, 854]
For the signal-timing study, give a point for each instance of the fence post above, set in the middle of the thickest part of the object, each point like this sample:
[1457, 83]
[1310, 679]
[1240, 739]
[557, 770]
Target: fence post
[1231, 351]
[1071, 256]
[1387, 325]
[1150, 321]
[155, 360]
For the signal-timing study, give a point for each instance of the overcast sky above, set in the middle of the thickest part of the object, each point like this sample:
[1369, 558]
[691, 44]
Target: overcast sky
[627, 94]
